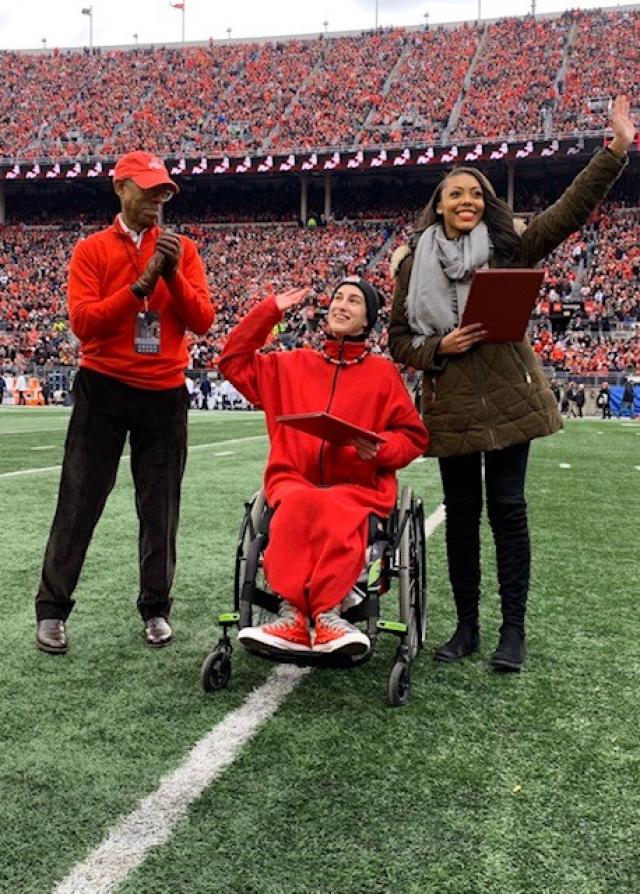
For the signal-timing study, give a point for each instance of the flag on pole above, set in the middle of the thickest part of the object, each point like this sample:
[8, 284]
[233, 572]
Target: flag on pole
[177, 5]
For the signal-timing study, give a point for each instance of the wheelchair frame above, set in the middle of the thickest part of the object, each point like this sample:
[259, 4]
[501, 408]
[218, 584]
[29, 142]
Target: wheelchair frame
[397, 548]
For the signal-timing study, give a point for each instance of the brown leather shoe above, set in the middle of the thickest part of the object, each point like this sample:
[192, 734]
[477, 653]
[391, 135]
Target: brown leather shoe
[52, 636]
[157, 632]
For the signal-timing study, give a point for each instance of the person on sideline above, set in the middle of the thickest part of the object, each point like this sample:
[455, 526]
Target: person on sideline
[322, 494]
[603, 400]
[133, 292]
[627, 400]
[485, 401]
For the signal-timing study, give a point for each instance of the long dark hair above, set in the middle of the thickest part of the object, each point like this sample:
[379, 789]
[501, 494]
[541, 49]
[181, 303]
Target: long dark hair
[498, 216]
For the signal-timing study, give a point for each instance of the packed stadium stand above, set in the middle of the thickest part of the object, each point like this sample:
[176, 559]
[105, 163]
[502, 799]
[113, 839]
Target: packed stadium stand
[542, 80]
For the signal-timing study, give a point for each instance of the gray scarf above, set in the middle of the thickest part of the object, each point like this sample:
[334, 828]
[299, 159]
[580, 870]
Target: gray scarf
[441, 278]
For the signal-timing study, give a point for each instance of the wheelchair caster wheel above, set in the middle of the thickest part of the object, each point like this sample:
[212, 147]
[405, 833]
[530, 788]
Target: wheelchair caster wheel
[399, 686]
[216, 671]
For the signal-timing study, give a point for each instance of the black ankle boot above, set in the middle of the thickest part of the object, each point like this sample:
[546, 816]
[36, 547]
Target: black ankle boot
[509, 656]
[464, 641]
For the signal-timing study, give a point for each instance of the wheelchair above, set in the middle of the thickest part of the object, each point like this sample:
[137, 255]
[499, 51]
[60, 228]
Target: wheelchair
[396, 550]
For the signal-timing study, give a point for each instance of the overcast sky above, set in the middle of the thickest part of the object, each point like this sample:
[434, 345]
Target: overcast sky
[23, 23]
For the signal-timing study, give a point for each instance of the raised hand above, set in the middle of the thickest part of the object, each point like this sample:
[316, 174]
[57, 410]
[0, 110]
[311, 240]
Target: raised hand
[288, 299]
[460, 340]
[623, 127]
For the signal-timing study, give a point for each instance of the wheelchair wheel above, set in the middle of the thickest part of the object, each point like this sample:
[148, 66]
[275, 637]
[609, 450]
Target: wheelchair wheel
[420, 556]
[249, 614]
[216, 671]
[399, 687]
[411, 575]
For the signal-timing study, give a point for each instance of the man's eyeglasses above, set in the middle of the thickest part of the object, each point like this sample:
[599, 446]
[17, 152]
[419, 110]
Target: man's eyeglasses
[165, 194]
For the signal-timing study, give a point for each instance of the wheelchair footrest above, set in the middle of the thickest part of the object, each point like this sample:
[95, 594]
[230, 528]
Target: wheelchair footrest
[309, 659]
[396, 627]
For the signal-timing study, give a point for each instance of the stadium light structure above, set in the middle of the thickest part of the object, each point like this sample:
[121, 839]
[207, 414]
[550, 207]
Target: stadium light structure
[325, 25]
[479, 11]
[135, 38]
[228, 33]
[376, 17]
[426, 20]
[88, 11]
[44, 43]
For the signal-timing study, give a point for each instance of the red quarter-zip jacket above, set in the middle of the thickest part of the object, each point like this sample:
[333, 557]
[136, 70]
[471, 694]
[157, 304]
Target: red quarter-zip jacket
[103, 309]
[323, 494]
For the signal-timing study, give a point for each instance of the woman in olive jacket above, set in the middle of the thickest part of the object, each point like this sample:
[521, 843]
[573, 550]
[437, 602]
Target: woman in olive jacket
[482, 399]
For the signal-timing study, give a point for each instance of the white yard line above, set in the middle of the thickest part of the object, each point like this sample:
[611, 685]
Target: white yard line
[37, 431]
[154, 819]
[45, 447]
[565, 465]
[126, 456]
[434, 520]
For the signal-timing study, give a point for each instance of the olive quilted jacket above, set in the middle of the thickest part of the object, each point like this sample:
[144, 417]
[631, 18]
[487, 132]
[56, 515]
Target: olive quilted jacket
[496, 395]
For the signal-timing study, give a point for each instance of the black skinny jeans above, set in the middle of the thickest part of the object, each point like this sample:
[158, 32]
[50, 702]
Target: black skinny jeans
[104, 411]
[505, 472]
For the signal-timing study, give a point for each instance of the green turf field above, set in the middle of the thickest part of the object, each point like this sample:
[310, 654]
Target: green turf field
[483, 784]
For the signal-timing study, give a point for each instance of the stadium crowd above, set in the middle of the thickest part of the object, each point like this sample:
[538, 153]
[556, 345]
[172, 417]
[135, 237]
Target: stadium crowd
[512, 89]
[605, 52]
[515, 76]
[596, 272]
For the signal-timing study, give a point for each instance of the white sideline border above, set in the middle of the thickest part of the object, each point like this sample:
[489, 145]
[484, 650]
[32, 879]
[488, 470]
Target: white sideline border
[124, 456]
[152, 822]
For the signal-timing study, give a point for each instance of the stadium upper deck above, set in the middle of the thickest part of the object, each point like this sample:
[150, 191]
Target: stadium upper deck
[545, 77]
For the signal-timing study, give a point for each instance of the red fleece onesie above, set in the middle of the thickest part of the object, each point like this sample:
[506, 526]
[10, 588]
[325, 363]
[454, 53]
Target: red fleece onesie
[322, 494]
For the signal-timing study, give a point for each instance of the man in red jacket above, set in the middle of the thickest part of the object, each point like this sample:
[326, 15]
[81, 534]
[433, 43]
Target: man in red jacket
[323, 494]
[133, 292]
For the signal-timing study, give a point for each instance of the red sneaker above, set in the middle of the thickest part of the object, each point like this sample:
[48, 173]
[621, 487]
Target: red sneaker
[288, 633]
[334, 634]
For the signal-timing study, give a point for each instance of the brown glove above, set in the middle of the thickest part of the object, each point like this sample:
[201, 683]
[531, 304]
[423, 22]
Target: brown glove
[169, 246]
[146, 283]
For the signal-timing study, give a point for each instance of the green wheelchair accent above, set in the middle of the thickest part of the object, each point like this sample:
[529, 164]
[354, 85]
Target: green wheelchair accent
[375, 572]
[229, 618]
[392, 626]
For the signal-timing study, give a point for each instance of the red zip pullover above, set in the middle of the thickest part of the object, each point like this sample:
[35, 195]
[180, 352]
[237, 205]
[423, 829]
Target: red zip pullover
[103, 309]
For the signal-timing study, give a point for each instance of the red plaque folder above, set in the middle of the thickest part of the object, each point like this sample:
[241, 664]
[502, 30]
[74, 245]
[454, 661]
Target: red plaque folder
[329, 428]
[503, 301]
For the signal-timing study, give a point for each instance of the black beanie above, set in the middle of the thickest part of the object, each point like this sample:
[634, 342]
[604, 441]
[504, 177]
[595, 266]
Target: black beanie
[372, 297]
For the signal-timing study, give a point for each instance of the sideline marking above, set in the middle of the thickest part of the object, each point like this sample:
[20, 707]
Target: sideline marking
[126, 456]
[225, 453]
[154, 819]
[45, 447]
[36, 431]
[565, 465]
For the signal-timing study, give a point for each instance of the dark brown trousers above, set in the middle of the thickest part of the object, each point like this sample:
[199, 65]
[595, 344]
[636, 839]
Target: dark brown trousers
[105, 410]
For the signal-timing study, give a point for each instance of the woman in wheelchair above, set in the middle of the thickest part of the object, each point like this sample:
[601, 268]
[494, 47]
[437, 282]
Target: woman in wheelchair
[322, 494]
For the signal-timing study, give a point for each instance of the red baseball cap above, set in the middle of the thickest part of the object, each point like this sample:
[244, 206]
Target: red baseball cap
[146, 171]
